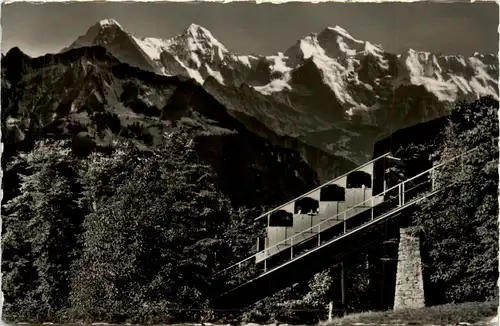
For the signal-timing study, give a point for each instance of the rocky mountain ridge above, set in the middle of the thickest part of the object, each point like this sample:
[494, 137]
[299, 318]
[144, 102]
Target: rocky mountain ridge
[329, 90]
[87, 95]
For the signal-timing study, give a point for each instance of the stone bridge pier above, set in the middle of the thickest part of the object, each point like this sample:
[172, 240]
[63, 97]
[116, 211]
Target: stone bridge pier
[409, 279]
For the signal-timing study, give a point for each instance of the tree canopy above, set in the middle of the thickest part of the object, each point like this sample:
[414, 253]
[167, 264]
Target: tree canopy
[459, 226]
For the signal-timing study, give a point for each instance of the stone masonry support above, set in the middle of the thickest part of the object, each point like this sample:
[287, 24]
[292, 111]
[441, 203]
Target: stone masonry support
[409, 280]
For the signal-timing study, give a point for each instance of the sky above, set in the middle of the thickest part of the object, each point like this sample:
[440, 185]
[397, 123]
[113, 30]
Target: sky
[245, 28]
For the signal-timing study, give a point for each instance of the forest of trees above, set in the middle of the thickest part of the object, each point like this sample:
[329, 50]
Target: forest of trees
[131, 236]
[136, 236]
[459, 226]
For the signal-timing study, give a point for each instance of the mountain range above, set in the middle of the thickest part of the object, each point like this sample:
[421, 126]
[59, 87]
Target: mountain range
[329, 89]
[329, 96]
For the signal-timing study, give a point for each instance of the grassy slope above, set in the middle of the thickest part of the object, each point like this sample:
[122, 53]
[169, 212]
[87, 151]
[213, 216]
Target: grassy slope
[470, 312]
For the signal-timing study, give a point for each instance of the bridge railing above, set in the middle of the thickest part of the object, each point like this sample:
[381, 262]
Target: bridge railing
[400, 195]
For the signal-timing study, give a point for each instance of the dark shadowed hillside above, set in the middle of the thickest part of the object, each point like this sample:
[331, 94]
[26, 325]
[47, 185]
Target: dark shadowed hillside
[88, 96]
[93, 159]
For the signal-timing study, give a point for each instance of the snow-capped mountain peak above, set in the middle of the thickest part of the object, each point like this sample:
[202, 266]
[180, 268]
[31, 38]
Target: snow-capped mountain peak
[194, 53]
[109, 22]
[202, 34]
[338, 42]
[111, 35]
[101, 33]
[341, 32]
[452, 77]
[200, 40]
[353, 70]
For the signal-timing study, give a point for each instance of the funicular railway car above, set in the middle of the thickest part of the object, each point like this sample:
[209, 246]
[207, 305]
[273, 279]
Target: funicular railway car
[326, 207]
